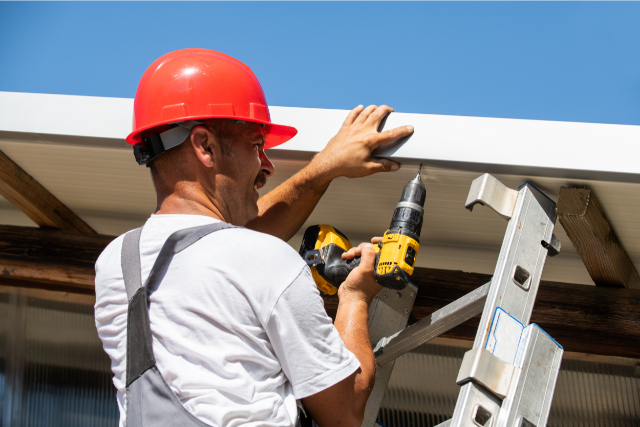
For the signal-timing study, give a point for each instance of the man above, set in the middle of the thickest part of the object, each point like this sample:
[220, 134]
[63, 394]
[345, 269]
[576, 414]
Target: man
[239, 331]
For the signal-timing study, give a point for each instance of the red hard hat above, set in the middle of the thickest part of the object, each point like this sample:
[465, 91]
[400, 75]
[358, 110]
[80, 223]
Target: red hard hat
[198, 84]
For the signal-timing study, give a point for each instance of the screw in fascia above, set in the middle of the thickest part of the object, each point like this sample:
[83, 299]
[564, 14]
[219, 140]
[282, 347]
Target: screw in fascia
[406, 310]
[384, 295]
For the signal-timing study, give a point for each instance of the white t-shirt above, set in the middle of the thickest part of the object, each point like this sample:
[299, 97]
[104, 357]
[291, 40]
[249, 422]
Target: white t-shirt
[239, 328]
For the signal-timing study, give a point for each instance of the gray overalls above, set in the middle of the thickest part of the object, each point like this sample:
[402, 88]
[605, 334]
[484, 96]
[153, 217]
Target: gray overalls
[150, 401]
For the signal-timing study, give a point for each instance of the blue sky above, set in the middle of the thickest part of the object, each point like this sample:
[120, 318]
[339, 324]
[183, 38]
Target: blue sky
[551, 61]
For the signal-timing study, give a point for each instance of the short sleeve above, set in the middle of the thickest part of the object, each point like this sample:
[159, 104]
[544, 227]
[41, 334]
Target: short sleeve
[307, 345]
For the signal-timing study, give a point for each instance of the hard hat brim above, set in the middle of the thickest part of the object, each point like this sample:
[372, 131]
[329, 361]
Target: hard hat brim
[275, 134]
[278, 134]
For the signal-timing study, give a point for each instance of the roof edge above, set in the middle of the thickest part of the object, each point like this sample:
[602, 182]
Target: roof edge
[514, 146]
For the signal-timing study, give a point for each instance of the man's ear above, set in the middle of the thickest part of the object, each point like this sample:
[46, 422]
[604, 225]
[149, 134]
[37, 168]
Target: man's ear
[203, 145]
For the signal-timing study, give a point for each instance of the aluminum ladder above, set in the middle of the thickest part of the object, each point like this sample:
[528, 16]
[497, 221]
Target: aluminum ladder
[507, 379]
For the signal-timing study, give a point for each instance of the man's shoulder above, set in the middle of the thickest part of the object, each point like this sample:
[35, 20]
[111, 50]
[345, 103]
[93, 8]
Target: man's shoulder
[260, 248]
[254, 261]
[110, 252]
[109, 286]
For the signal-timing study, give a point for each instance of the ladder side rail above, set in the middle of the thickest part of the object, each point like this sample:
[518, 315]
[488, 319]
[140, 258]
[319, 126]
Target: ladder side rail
[532, 222]
[511, 296]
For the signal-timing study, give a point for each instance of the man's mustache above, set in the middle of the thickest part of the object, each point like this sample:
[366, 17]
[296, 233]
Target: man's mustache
[260, 179]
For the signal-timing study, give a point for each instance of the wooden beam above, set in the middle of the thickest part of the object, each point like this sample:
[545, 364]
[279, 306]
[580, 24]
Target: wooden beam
[582, 318]
[593, 237]
[47, 286]
[51, 257]
[28, 195]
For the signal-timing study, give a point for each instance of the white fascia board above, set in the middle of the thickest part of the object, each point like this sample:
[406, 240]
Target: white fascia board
[83, 116]
[513, 146]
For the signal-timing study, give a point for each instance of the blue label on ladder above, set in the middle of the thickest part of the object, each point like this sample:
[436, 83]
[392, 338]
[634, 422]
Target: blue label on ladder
[504, 336]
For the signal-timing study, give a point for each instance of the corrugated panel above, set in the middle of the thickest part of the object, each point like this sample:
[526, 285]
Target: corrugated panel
[113, 194]
[596, 394]
[4, 317]
[55, 369]
[9, 215]
[52, 359]
[422, 391]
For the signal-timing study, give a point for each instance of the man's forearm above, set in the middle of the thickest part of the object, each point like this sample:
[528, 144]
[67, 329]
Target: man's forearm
[284, 209]
[352, 323]
[344, 403]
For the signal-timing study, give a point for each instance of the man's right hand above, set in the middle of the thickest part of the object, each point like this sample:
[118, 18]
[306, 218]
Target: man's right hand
[361, 282]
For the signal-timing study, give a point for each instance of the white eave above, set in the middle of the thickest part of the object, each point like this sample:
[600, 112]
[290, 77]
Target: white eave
[534, 147]
[74, 146]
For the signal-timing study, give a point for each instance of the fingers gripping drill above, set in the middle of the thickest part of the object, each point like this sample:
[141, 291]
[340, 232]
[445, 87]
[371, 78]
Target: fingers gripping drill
[323, 245]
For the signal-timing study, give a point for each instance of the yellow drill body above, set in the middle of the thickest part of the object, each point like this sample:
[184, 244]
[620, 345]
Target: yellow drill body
[394, 252]
[323, 245]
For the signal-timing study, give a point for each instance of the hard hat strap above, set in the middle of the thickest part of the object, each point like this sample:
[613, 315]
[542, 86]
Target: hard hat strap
[176, 136]
[157, 144]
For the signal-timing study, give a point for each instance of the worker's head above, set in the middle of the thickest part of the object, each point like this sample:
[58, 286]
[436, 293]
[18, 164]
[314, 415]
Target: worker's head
[222, 162]
[217, 104]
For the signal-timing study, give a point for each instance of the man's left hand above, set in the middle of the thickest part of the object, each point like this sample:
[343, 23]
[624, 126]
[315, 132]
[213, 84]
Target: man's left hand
[349, 152]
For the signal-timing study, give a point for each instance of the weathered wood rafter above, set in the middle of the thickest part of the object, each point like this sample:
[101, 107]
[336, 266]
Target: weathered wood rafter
[586, 224]
[28, 195]
[582, 318]
[52, 257]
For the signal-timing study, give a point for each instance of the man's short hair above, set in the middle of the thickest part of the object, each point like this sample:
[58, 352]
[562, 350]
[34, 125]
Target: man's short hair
[220, 130]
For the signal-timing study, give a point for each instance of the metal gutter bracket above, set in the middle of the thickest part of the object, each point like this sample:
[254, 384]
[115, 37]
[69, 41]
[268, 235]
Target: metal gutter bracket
[488, 191]
[482, 367]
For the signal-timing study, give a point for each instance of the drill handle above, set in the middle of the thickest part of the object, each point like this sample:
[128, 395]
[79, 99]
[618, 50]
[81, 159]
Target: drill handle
[335, 269]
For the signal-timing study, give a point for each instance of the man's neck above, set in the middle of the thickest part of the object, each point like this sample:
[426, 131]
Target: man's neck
[175, 203]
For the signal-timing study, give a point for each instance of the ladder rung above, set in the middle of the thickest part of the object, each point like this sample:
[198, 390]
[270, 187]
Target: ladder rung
[437, 323]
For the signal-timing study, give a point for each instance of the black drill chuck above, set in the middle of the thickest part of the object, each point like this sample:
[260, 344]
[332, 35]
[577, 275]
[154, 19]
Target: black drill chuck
[407, 217]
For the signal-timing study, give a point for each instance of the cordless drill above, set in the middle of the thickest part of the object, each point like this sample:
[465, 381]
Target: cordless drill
[323, 245]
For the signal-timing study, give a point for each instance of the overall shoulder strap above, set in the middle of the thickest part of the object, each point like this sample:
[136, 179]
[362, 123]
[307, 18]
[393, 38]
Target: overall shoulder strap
[177, 242]
[140, 356]
[130, 261]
